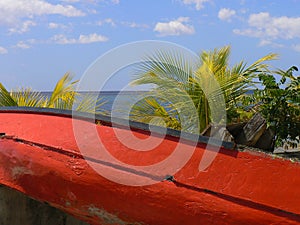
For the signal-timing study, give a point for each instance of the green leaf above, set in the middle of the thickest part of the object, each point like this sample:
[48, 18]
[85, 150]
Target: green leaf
[5, 97]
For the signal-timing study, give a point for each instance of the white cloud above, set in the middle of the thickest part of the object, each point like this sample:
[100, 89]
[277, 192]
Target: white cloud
[22, 45]
[115, 1]
[3, 50]
[135, 25]
[56, 26]
[106, 21]
[266, 27]
[226, 14]
[23, 27]
[83, 39]
[11, 11]
[62, 39]
[33, 41]
[70, 1]
[53, 25]
[270, 43]
[199, 4]
[249, 32]
[113, 23]
[175, 27]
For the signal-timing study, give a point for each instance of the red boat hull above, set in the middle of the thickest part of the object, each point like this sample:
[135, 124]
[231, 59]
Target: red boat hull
[40, 157]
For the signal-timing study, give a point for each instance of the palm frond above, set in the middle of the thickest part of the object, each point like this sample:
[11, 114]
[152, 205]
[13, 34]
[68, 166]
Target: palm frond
[90, 104]
[149, 110]
[5, 97]
[27, 97]
[259, 66]
[168, 66]
[63, 94]
[216, 60]
[63, 97]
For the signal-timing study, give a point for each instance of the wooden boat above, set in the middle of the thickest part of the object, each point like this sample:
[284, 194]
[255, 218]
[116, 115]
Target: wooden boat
[40, 156]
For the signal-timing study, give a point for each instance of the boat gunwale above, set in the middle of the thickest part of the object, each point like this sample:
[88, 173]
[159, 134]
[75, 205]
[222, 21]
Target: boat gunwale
[121, 123]
[143, 127]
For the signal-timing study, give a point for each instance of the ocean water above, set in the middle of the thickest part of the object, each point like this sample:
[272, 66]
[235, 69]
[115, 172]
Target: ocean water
[115, 103]
[113, 100]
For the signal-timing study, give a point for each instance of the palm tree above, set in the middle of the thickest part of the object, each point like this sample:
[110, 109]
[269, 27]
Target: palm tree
[64, 96]
[179, 85]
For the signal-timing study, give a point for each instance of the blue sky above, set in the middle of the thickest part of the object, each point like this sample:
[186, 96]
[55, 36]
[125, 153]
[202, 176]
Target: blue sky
[41, 40]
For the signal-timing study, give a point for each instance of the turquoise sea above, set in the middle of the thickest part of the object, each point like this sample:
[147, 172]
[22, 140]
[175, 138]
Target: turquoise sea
[112, 99]
[116, 100]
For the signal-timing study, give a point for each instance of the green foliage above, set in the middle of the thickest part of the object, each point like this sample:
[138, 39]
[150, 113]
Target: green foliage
[27, 97]
[5, 97]
[179, 84]
[279, 103]
[151, 111]
[63, 96]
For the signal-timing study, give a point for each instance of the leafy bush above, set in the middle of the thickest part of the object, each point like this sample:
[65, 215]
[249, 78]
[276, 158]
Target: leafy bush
[279, 103]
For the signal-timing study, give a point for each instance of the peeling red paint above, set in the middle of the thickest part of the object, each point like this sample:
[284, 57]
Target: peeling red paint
[238, 188]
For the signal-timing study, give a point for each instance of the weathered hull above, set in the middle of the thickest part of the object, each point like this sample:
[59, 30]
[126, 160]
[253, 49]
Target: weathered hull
[39, 156]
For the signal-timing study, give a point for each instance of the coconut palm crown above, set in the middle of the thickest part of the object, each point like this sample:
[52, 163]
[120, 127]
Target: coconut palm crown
[174, 78]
